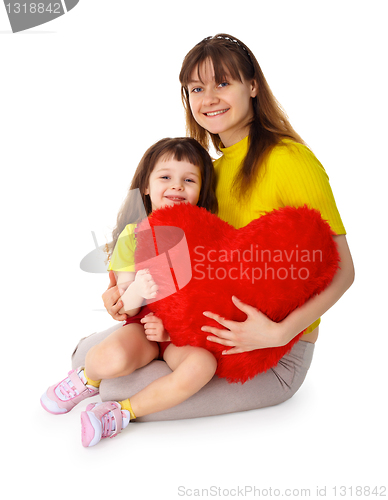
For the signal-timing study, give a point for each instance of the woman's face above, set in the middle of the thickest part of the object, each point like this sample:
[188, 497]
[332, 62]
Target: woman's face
[224, 109]
[172, 182]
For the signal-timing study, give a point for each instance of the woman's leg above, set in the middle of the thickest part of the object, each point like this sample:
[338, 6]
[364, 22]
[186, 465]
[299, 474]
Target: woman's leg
[192, 368]
[121, 353]
[218, 396]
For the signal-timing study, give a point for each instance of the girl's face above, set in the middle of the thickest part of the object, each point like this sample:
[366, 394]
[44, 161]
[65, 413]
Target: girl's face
[224, 109]
[173, 182]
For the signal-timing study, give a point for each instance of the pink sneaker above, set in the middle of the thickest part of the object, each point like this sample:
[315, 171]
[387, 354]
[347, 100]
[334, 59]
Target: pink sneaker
[102, 420]
[62, 397]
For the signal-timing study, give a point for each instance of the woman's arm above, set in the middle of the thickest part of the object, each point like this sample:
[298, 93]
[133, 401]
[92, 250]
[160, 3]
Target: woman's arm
[314, 308]
[112, 299]
[258, 331]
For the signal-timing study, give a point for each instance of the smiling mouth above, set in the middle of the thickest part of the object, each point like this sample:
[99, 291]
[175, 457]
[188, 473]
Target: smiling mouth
[175, 198]
[216, 113]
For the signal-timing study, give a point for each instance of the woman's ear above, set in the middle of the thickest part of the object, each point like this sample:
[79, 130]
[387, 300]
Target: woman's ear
[146, 191]
[254, 88]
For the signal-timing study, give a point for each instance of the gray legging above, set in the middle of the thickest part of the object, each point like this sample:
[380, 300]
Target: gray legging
[217, 397]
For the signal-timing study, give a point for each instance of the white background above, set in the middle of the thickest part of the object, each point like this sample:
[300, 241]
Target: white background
[81, 98]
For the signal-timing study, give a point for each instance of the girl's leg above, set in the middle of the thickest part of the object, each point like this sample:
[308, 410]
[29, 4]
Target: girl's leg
[192, 368]
[121, 353]
[86, 343]
[216, 397]
[219, 397]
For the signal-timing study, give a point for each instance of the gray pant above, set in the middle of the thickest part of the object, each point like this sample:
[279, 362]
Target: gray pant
[217, 397]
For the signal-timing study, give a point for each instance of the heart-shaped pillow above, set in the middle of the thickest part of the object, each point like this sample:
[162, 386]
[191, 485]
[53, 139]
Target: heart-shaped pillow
[275, 263]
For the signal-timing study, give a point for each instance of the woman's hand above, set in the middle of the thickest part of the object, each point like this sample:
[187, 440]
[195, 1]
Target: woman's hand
[154, 329]
[111, 299]
[256, 332]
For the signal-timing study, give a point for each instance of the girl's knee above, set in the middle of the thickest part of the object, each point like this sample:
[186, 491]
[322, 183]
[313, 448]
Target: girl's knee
[121, 354]
[211, 367]
[203, 365]
[110, 360]
[209, 362]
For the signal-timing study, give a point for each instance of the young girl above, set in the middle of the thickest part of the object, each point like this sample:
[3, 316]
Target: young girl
[172, 171]
[264, 165]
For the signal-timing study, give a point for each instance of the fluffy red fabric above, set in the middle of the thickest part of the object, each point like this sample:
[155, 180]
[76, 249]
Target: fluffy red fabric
[275, 263]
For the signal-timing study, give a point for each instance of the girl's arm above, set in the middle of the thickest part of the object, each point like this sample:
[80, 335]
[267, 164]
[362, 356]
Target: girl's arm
[258, 331]
[137, 287]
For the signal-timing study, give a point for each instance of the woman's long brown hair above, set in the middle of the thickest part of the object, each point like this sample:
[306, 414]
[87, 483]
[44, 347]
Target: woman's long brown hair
[229, 56]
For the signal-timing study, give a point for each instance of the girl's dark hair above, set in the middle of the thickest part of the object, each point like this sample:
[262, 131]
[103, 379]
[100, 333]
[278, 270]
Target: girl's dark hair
[229, 56]
[180, 149]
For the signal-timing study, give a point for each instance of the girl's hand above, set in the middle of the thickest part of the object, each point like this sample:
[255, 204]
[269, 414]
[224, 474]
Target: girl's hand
[154, 329]
[111, 299]
[256, 332]
[144, 284]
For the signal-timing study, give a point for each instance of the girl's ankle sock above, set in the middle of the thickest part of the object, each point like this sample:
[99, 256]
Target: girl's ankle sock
[126, 405]
[89, 381]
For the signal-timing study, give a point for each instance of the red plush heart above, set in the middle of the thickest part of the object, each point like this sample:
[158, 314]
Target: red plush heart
[275, 263]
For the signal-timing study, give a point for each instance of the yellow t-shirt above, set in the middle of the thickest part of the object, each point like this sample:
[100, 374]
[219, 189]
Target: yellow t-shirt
[123, 256]
[290, 176]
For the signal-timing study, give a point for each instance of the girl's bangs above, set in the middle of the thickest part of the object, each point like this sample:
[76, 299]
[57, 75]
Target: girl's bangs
[182, 152]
